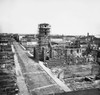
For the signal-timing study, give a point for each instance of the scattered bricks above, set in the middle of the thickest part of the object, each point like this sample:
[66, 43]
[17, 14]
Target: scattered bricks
[6, 53]
[5, 48]
[6, 61]
[55, 62]
[8, 77]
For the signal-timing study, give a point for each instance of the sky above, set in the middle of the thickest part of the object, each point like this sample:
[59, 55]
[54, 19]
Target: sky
[67, 17]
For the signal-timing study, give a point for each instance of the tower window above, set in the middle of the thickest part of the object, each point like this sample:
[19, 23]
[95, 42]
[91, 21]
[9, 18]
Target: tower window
[71, 51]
[77, 51]
[47, 58]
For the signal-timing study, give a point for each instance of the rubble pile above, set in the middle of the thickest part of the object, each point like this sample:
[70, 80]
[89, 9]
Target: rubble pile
[55, 62]
[8, 80]
[81, 77]
[79, 83]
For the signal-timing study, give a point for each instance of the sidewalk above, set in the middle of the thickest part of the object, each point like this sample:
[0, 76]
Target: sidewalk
[20, 79]
[23, 47]
[60, 83]
[30, 53]
[26, 50]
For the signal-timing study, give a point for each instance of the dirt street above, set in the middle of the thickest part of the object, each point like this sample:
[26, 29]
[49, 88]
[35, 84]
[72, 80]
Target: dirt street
[37, 80]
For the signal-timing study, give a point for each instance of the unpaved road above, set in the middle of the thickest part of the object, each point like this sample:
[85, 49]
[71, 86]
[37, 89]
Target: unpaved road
[37, 80]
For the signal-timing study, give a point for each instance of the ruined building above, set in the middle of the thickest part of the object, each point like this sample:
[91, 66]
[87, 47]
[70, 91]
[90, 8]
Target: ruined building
[57, 54]
[42, 51]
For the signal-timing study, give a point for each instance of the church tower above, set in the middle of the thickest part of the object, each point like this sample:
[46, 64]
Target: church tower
[43, 39]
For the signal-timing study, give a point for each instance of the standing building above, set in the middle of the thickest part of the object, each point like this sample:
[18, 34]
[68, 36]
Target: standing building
[43, 41]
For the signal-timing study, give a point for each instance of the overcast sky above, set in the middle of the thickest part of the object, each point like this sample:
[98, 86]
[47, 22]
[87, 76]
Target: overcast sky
[70, 17]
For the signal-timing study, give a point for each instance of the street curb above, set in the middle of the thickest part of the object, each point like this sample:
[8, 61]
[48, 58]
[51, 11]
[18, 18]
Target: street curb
[60, 83]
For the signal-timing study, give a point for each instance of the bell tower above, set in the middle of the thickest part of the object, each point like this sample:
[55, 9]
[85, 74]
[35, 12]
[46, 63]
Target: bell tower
[43, 39]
